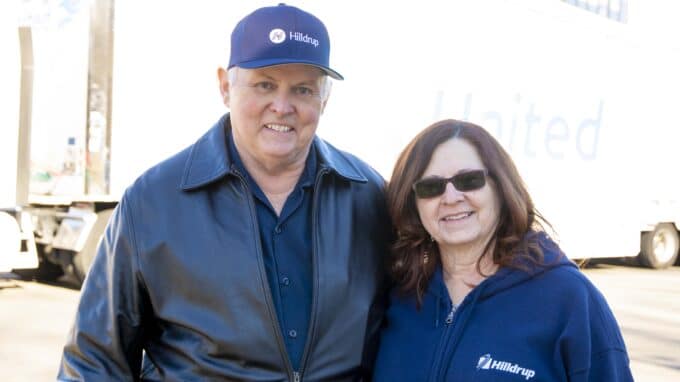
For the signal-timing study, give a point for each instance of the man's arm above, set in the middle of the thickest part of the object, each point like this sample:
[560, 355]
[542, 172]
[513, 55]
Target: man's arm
[105, 341]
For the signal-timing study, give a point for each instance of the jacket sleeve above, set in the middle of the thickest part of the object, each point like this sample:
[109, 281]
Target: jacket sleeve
[383, 236]
[105, 342]
[611, 365]
[596, 350]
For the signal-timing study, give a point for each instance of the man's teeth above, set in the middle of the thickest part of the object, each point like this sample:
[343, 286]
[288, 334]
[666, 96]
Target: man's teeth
[459, 216]
[279, 128]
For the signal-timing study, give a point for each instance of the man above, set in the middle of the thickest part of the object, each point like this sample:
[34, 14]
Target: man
[256, 253]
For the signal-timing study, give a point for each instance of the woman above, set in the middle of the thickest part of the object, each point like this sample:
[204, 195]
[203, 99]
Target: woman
[482, 293]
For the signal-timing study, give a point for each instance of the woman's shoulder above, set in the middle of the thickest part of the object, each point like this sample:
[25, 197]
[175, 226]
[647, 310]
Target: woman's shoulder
[558, 277]
[573, 288]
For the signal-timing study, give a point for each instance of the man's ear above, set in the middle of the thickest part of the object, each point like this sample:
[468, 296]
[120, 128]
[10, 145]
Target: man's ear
[223, 79]
[323, 105]
[327, 95]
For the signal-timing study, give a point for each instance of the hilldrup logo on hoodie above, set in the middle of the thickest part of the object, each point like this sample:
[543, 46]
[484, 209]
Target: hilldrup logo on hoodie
[486, 362]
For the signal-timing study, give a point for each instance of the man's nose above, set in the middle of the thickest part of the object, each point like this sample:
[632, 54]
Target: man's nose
[282, 103]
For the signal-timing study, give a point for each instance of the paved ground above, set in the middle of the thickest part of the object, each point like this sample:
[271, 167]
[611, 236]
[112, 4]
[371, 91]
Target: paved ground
[647, 305]
[34, 320]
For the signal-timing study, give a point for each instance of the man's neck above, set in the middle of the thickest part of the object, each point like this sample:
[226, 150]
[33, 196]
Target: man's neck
[276, 180]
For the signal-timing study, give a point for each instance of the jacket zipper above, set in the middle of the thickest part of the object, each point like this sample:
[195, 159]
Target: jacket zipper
[268, 297]
[297, 375]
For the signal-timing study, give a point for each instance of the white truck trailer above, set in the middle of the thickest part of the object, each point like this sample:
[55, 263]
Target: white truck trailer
[581, 93]
[55, 135]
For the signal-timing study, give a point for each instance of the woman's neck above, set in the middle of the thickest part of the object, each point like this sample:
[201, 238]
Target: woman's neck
[461, 273]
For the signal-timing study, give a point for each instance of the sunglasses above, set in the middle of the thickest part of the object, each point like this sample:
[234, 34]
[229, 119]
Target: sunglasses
[463, 182]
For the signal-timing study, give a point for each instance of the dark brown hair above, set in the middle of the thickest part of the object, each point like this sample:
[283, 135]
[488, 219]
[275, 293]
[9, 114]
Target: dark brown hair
[517, 214]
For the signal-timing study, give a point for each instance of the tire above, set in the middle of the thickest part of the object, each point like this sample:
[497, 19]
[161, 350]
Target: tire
[83, 260]
[659, 248]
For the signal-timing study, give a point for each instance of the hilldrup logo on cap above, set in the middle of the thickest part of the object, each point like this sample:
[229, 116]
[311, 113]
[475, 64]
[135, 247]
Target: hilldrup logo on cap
[277, 36]
[486, 362]
[303, 37]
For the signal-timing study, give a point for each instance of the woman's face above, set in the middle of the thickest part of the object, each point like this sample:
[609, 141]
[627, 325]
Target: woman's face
[458, 220]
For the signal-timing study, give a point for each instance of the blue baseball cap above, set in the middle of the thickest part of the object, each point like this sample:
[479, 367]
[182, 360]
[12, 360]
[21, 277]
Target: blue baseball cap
[281, 35]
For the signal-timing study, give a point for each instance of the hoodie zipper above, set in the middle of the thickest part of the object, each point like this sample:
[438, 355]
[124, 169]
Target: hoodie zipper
[449, 318]
[451, 335]
[443, 343]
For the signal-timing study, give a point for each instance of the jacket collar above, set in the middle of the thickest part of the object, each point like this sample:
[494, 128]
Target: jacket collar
[209, 159]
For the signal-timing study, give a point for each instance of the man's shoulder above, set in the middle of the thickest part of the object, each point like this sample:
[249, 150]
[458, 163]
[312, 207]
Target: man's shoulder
[199, 163]
[165, 175]
[347, 164]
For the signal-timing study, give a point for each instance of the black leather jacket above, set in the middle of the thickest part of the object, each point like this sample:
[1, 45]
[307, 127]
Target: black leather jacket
[179, 275]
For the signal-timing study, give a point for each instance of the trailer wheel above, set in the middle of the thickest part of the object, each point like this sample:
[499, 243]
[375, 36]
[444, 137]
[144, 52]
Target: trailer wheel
[83, 259]
[659, 248]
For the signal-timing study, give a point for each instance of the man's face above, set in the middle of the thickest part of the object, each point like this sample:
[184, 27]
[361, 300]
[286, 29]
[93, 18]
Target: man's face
[274, 112]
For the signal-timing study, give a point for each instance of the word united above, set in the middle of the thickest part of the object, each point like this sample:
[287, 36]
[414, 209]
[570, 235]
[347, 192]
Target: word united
[488, 363]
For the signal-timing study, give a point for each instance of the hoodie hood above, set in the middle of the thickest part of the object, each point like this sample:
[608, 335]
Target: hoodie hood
[508, 277]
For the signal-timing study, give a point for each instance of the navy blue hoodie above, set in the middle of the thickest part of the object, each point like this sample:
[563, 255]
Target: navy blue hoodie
[546, 324]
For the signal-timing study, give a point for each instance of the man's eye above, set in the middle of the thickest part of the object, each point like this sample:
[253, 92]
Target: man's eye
[303, 91]
[265, 85]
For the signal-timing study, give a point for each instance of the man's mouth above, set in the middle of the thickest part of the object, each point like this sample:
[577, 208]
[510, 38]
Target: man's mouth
[279, 128]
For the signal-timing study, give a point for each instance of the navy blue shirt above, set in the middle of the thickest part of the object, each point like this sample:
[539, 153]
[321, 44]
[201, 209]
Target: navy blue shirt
[287, 250]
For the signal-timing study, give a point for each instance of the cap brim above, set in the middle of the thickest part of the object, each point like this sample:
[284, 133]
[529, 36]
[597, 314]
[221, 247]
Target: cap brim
[273, 62]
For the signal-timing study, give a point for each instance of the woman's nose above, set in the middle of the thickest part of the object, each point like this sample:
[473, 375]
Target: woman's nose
[451, 195]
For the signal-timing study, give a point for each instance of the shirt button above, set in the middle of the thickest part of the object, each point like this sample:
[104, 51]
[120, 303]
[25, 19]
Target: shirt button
[285, 281]
[292, 333]
[278, 229]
